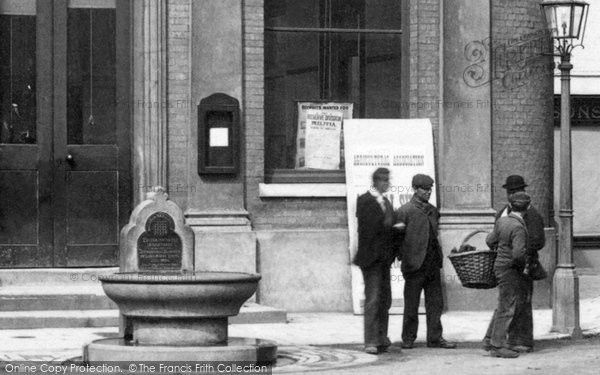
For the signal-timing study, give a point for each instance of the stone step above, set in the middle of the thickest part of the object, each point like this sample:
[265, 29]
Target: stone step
[91, 297]
[249, 314]
[54, 297]
[53, 276]
[254, 313]
[58, 319]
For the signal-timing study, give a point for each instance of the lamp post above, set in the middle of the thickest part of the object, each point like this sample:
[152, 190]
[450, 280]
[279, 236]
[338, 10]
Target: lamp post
[566, 22]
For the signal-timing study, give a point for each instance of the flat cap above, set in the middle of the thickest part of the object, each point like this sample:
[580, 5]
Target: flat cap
[422, 180]
[519, 201]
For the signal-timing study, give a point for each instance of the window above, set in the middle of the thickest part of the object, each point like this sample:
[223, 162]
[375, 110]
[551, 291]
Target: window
[342, 51]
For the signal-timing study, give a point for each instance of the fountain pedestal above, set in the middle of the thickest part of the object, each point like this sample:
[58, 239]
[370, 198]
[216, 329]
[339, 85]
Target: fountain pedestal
[181, 331]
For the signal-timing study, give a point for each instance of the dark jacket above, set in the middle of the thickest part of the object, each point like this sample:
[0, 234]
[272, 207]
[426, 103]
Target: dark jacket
[418, 216]
[374, 237]
[535, 227]
[509, 237]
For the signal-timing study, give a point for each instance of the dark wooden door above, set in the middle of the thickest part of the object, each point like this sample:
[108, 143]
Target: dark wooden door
[66, 188]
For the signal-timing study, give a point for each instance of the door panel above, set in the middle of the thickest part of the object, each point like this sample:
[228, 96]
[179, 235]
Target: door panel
[25, 173]
[92, 208]
[65, 184]
[19, 214]
[87, 141]
[92, 218]
[93, 157]
[18, 218]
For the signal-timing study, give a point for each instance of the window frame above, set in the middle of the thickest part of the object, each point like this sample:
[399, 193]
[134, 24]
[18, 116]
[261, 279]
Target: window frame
[311, 176]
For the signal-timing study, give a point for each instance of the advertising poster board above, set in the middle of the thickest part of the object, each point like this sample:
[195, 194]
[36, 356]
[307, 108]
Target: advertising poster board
[405, 147]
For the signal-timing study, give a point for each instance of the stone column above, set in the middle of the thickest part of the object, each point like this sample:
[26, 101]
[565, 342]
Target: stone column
[149, 103]
[465, 148]
[149, 95]
[216, 206]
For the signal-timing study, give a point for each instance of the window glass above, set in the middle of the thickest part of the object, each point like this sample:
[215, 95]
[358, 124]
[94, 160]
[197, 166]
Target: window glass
[91, 81]
[358, 61]
[347, 14]
[17, 78]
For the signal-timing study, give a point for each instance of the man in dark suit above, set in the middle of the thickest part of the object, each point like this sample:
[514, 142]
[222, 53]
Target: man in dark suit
[421, 257]
[521, 331]
[374, 257]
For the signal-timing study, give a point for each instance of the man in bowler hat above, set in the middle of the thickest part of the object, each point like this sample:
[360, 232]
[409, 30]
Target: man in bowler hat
[421, 256]
[520, 335]
[374, 257]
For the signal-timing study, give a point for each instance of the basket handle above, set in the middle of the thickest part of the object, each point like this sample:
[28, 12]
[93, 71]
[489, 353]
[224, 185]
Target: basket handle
[468, 237]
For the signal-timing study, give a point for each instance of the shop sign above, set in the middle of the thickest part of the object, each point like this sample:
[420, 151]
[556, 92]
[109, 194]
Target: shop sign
[585, 110]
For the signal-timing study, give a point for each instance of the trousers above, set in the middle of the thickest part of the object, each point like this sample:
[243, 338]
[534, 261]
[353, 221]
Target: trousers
[512, 321]
[378, 300]
[428, 279]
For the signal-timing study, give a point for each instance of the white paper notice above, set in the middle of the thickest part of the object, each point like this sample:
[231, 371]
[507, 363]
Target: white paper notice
[303, 108]
[218, 137]
[323, 129]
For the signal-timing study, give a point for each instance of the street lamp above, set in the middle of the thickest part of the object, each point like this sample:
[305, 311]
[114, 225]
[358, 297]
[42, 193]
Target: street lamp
[566, 22]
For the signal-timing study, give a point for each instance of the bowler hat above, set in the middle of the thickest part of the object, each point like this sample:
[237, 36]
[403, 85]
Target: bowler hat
[514, 182]
[519, 201]
[422, 181]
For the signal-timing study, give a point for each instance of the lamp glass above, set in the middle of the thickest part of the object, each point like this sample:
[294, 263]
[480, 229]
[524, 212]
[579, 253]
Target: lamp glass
[550, 20]
[565, 18]
[577, 17]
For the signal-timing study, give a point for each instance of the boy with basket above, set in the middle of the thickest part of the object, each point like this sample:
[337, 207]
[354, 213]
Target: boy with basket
[520, 335]
[510, 238]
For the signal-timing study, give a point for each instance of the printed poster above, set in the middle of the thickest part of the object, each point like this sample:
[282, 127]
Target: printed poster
[323, 130]
[405, 147]
[303, 107]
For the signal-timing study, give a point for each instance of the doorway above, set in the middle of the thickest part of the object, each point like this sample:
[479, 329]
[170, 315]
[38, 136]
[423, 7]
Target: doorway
[65, 179]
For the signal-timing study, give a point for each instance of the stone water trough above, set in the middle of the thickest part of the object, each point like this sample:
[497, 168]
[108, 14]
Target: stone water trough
[169, 311]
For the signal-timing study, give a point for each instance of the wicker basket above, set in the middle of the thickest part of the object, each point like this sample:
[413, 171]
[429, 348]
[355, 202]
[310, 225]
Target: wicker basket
[475, 269]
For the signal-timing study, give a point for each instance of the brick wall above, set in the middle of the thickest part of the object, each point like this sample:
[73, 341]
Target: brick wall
[253, 102]
[522, 91]
[424, 29]
[179, 98]
[425, 61]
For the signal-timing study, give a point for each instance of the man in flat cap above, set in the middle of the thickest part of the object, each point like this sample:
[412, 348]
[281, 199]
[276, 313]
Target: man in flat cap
[521, 332]
[509, 237]
[374, 257]
[421, 256]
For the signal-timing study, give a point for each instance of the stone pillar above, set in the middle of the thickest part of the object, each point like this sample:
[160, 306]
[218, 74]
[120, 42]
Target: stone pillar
[149, 102]
[216, 208]
[465, 149]
[149, 95]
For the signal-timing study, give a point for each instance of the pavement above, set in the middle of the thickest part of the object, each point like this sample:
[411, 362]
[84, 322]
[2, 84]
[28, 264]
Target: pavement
[332, 343]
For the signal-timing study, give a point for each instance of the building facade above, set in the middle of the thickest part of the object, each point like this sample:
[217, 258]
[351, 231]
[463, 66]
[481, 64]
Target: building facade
[100, 102]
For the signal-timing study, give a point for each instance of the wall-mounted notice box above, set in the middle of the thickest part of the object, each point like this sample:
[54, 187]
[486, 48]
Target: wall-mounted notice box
[218, 135]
